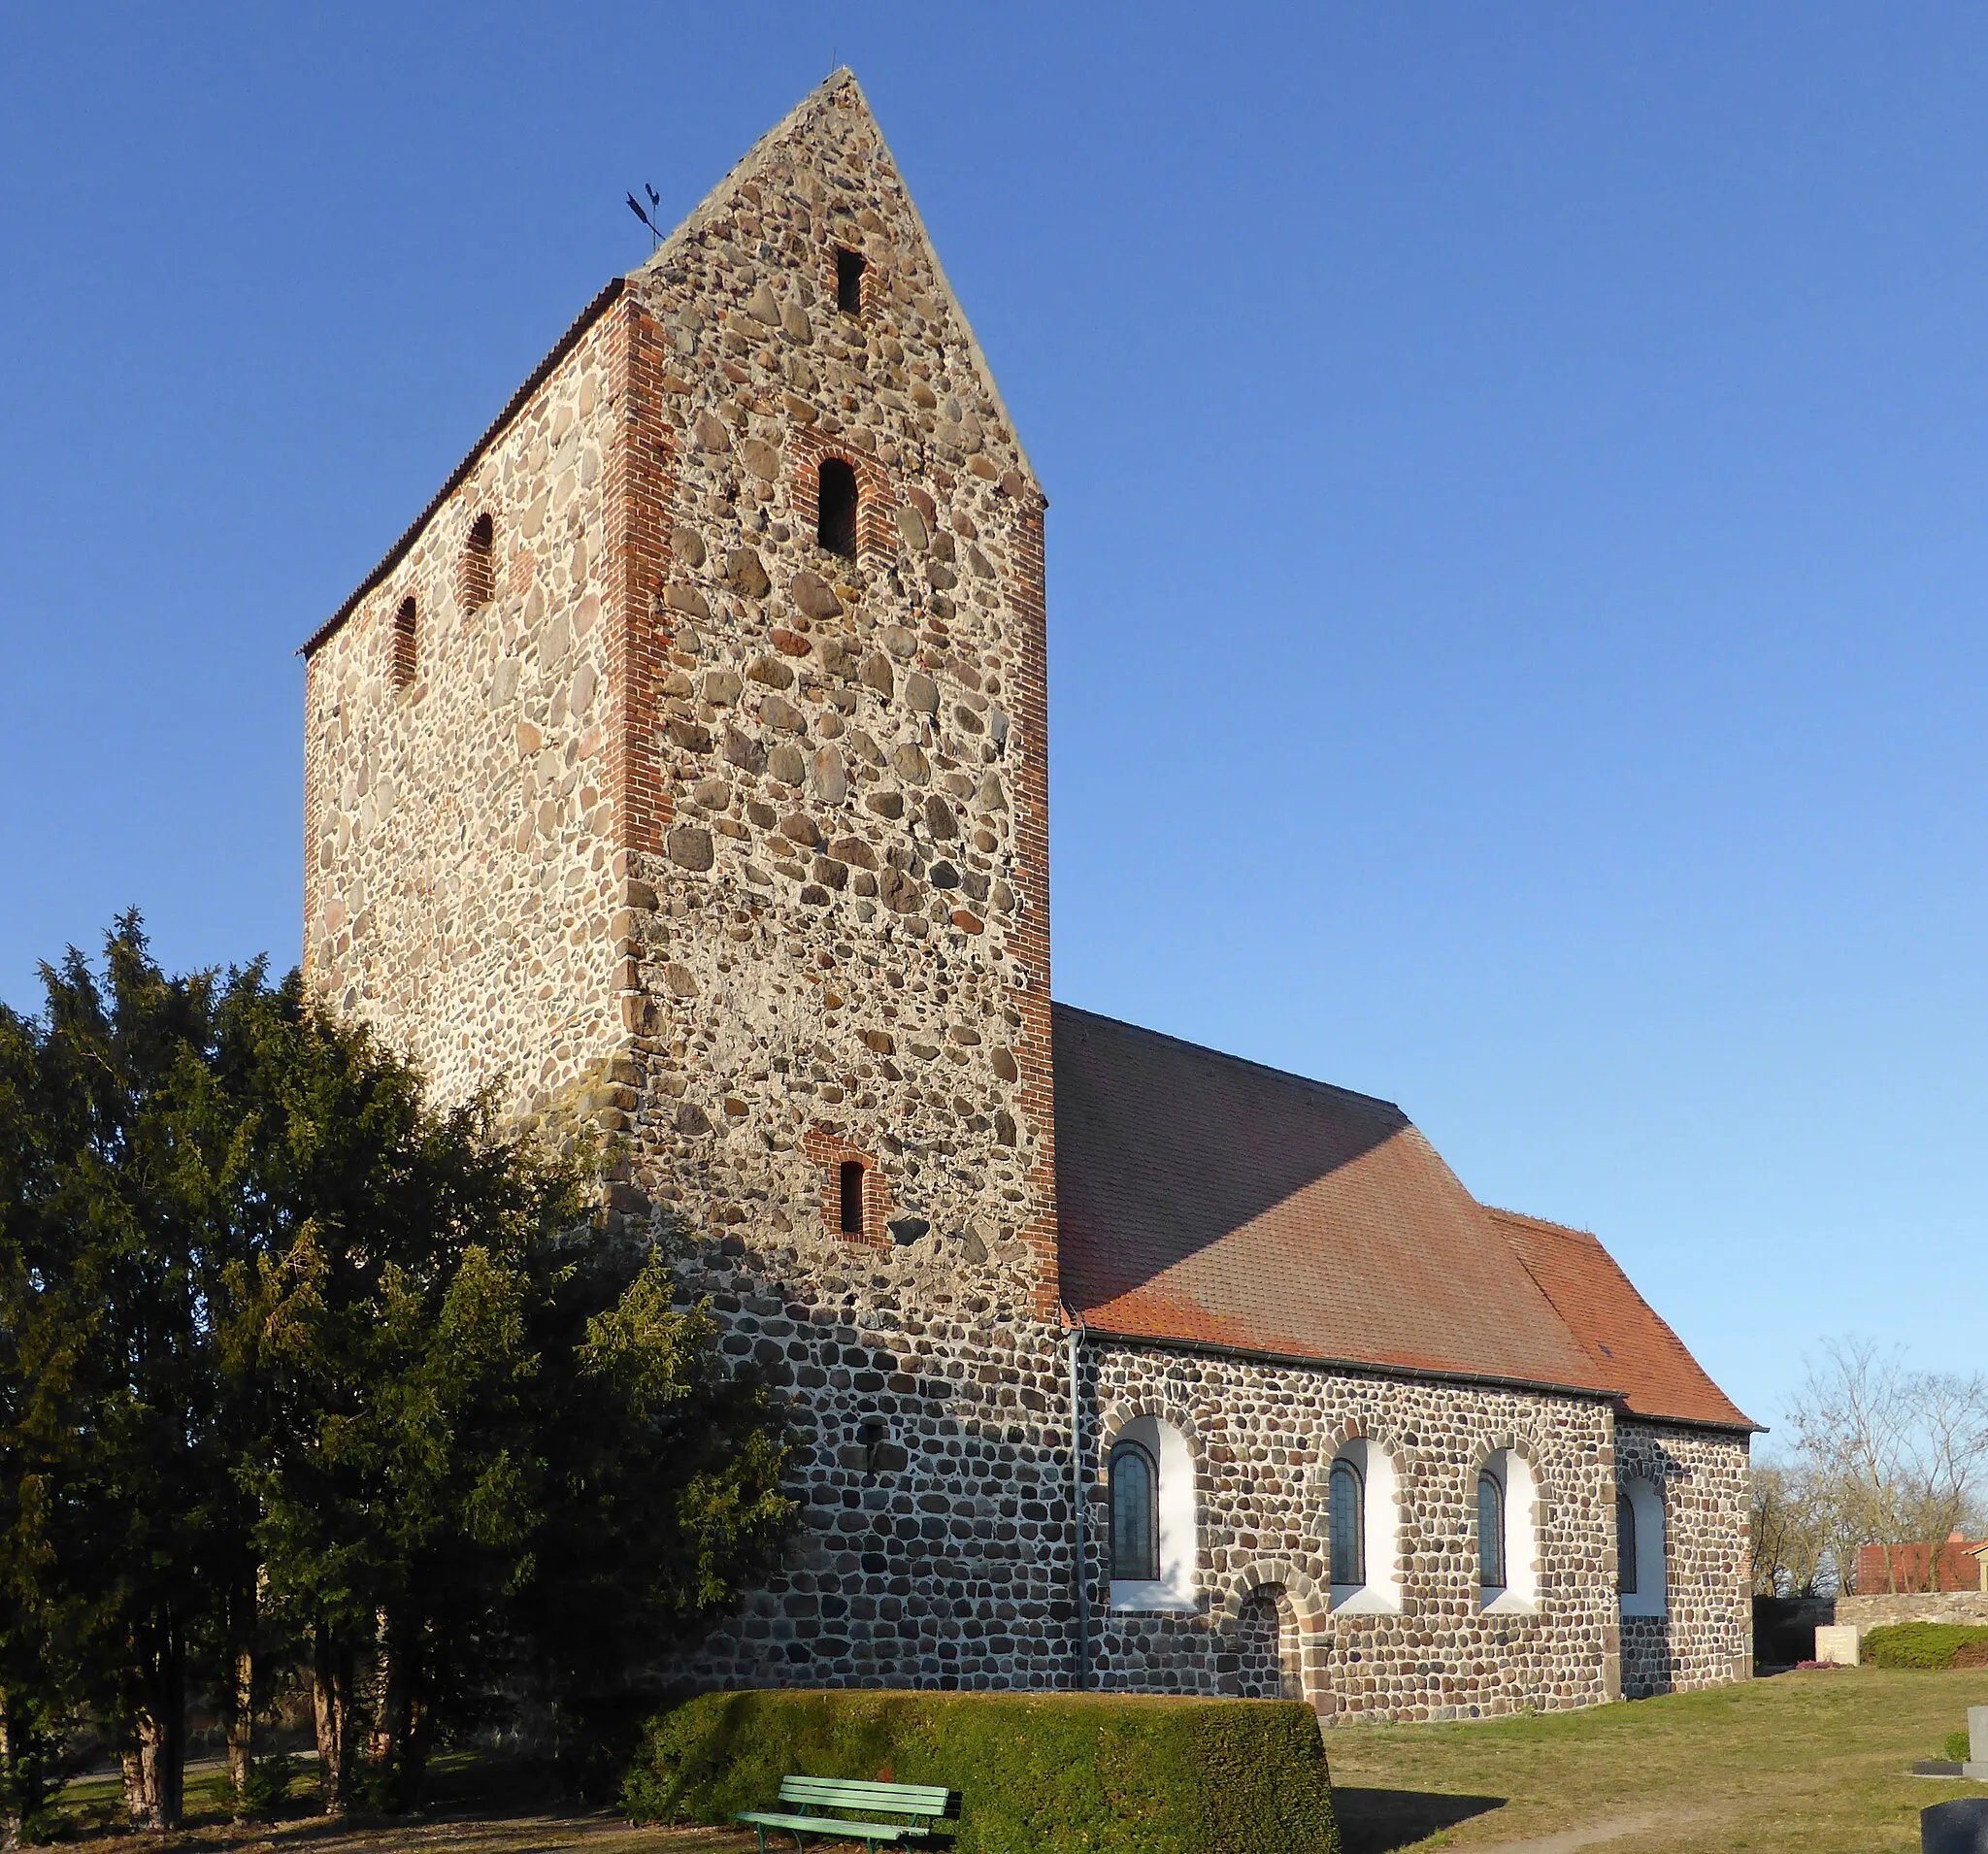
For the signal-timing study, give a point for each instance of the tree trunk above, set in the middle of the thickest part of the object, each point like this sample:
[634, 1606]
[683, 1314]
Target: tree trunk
[238, 1696]
[331, 1688]
[11, 1804]
[155, 1769]
[140, 1796]
[400, 1735]
[240, 1723]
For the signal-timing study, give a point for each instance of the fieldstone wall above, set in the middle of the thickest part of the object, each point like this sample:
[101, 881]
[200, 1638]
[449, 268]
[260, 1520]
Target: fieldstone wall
[843, 944]
[1882, 1609]
[932, 1464]
[459, 821]
[841, 939]
[1264, 1437]
[1705, 1637]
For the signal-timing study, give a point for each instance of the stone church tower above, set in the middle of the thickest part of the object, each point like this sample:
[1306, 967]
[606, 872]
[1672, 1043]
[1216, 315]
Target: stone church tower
[684, 765]
[683, 769]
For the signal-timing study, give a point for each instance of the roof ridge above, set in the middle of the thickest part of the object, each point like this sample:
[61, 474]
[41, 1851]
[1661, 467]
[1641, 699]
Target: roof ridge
[1241, 1062]
[1544, 1225]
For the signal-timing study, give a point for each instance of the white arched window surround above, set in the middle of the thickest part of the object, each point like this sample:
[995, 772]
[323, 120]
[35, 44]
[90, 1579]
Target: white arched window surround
[1379, 1590]
[1646, 1501]
[1174, 1589]
[1517, 1502]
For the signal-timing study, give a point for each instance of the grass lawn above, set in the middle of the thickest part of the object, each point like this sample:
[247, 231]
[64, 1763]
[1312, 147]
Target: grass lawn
[1812, 1762]
[1817, 1761]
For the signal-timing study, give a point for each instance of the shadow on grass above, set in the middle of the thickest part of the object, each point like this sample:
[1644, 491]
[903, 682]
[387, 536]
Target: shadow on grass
[1378, 1821]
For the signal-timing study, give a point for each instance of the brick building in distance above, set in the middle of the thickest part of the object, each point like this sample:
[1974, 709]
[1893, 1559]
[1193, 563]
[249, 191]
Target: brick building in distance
[685, 766]
[1962, 1563]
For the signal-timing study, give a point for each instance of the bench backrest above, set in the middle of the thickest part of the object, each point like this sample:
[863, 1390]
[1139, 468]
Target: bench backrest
[869, 1798]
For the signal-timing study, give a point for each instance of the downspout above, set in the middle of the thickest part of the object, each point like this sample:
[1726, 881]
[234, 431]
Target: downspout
[1079, 1496]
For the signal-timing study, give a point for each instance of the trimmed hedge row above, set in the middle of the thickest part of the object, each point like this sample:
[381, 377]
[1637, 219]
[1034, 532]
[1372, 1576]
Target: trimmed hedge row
[1039, 1773]
[1926, 1644]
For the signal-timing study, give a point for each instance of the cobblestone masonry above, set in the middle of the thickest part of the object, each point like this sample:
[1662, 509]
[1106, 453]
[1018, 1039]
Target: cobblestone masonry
[1705, 1636]
[1264, 1437]
[460, 844]
[1881, 1610]
[738, 847]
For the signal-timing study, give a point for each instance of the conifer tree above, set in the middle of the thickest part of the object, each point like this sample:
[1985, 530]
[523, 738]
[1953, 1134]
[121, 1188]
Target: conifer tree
[291, 1357]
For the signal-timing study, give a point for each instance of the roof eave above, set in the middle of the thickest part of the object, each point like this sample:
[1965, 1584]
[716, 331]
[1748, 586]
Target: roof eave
[537, 378]
[1363, 1367]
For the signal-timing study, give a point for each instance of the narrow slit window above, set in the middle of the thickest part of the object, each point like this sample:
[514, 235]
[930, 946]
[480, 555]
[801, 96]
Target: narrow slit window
[1349, 1525]
[1490, 1533]
[405, 643]
[478, 579]
[1135, 1515]
[1625, 1543]
[836, 508]
[848, 281]
[852, 1197]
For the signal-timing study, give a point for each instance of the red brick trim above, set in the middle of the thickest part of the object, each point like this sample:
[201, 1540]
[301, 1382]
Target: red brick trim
[406, 641]
[639, 488]
[1029, 940]
[476, 567]
[832, 1152]
[875, 499]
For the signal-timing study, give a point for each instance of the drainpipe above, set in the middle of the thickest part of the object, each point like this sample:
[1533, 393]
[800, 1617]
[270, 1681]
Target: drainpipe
[1079, 1496]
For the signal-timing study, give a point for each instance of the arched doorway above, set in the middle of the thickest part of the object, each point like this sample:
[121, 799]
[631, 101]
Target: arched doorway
[1269, 1660]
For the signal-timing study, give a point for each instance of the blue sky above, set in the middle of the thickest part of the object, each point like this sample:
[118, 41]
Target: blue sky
[1517, 556]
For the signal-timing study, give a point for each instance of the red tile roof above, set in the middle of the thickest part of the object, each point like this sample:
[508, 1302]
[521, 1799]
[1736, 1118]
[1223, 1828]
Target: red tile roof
[1201, 1197]
[1206, 1199]
[1643, 1359]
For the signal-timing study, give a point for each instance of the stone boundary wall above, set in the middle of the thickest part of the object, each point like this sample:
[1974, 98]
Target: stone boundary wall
[1705, 1636]
[1930, 1606]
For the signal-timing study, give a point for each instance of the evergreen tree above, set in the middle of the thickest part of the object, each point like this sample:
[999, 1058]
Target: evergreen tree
[290, 1358]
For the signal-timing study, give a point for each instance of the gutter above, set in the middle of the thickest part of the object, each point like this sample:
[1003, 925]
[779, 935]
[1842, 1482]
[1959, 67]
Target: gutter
[1431, 1373]
[1079, 1505]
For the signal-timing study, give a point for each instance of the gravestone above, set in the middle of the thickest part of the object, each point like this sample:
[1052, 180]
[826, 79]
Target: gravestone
[1959, 1827]
[1976, 1766]
[1836, 1643]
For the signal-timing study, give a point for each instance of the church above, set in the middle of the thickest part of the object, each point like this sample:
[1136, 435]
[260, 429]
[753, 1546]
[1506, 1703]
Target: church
[682, 769]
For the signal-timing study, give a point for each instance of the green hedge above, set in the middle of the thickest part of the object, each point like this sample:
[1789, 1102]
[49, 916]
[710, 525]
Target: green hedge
[1037, 1774]
[1922, 1644]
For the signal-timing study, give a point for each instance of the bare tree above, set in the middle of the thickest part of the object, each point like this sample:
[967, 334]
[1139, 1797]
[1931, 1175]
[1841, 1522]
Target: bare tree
[1789, 1532]
[1892, 1457]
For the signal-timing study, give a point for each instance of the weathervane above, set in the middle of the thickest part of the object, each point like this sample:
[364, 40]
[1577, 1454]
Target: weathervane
[646, 214]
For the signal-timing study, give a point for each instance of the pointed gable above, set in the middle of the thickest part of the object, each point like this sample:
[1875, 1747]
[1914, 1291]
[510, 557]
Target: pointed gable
[830, 152]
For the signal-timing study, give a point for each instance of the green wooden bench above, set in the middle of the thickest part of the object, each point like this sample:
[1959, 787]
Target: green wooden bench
[817, 1793]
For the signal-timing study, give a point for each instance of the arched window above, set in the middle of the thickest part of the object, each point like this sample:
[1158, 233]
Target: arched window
[850, 1180]
[1639, 1548]
[1363, 1529]
[1135, 1515]
[1508, 1558]
[403, 642]
[478, 558]
[1349, 1520]
[836, 508]
[1490, 1533]
[1155, 1542]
